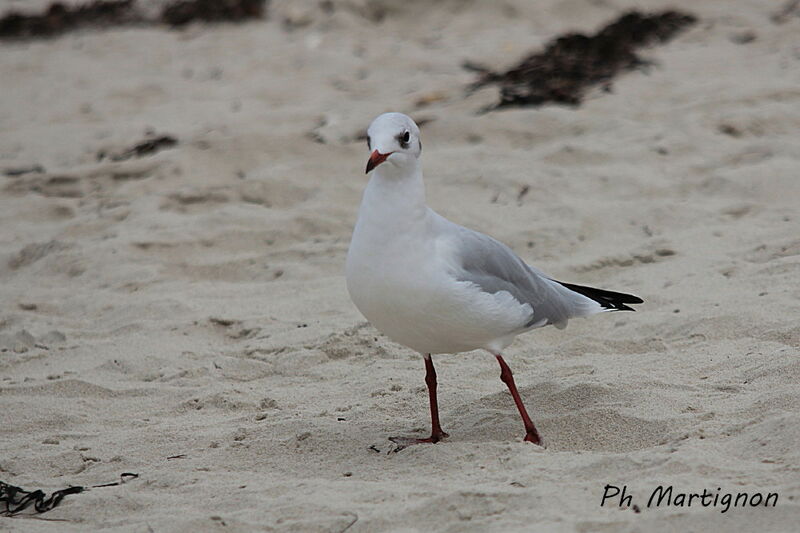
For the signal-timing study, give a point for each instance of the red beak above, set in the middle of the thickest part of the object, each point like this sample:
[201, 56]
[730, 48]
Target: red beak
[375, 159]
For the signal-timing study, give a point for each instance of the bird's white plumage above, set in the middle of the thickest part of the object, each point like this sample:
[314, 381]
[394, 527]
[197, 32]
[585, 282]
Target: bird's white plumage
[433, 285]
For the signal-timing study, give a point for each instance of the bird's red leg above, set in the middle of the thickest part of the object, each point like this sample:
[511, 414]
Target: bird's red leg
[531, 435]
[436, 429]
[430, 380]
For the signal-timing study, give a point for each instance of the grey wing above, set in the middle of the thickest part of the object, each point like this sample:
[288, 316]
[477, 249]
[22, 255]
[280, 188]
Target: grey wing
[494, 267]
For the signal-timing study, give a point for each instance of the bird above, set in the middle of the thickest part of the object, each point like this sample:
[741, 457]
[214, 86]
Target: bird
[438, 287]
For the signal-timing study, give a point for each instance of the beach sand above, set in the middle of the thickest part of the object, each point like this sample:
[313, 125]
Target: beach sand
[183, 315]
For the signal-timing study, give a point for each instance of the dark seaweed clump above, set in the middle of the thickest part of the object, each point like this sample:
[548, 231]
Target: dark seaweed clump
[148, 146]
[17, 500]
[572, 63]
[58, 18]
[186, 11]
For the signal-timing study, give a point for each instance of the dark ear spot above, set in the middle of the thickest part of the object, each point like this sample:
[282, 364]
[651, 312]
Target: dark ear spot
[420, 145]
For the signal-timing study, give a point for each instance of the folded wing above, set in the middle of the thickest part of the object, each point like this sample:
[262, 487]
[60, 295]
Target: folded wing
[494, 267]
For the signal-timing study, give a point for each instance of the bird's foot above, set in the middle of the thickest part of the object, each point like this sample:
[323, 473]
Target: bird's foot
[533, 436]
[405, 442]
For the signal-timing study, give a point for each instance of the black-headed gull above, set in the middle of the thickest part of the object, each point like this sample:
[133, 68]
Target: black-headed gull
[438, 287]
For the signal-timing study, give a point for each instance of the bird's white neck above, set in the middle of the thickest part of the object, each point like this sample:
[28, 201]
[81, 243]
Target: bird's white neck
[394, 197]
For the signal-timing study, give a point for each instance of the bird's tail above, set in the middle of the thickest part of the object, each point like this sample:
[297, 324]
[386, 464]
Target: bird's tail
[610, 300]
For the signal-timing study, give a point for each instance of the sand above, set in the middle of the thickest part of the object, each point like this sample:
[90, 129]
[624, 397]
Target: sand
[183, 315]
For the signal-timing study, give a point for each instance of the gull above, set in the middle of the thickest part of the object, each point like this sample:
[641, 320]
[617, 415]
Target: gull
[438, 287]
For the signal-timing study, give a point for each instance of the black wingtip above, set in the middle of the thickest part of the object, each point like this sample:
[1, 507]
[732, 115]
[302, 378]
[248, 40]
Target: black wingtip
[608, 299]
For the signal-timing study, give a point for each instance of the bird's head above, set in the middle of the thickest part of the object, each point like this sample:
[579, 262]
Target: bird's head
[393, 138]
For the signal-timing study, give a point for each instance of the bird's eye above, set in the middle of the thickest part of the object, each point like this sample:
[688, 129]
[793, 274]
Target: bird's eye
[403, 139]
[369, 142]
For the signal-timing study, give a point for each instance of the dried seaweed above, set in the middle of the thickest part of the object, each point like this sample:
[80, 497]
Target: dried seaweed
[58, 19]
[17, 499]
[186, 11]
[572, 63]
[146, 147]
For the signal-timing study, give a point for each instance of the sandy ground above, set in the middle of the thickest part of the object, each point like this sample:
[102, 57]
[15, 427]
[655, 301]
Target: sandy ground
[192, 303]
